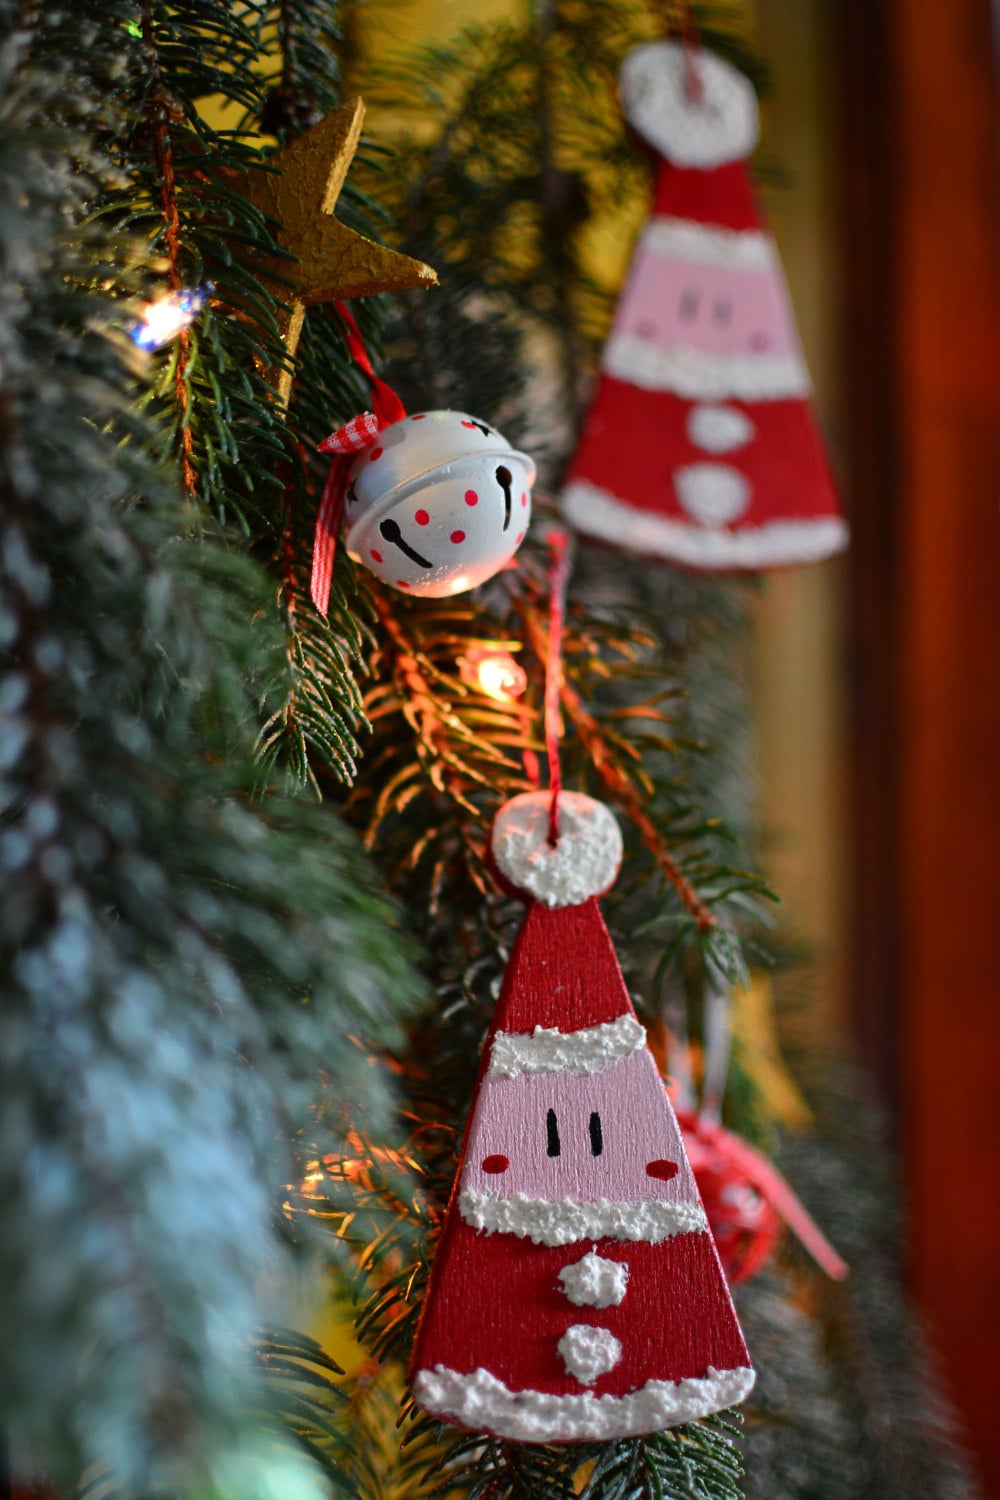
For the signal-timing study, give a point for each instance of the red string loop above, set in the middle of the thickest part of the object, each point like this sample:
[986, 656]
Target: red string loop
[558, 579]
[385, 403]
[693, 86]
[682, 22]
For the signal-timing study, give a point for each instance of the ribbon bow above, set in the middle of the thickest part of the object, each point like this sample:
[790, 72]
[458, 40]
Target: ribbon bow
[359, 433]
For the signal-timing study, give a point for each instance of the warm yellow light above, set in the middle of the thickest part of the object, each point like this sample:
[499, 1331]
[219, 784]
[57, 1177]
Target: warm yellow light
[494, 673]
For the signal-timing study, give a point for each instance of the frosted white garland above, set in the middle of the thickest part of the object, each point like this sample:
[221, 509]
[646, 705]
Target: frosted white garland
[714, 494]
[719, 429]
[564, 1221]
[588, 1352]
[595, 1281]
[709, 244]
[482, 1402]
[583, 863]
[548, 1050]
[722, 125]
[597, 512]
[699, 375]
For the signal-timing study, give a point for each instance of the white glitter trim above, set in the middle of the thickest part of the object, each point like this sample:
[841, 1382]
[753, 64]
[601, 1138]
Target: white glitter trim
[598, 513]
[699, 375]
[595, 1281]
[483, 1403]
[721, 126]
[719, 429]
[564, 1221]
[548, 1050]
[588, 1352]
[583, 863]
[709, 245]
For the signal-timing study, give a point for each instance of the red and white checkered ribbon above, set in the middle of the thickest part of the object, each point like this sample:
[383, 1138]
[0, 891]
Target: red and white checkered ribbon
[355, 435]
[360, 432]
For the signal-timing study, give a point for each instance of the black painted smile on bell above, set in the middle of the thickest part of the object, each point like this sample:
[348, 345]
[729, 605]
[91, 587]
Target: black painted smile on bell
[390, 530]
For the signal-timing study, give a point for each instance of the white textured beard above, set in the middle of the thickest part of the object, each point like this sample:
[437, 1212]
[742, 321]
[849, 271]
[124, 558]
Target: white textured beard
[700, 375]
[564, 1221]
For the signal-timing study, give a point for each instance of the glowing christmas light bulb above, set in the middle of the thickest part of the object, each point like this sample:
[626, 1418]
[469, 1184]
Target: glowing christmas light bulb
[168, 316]
[494, 672]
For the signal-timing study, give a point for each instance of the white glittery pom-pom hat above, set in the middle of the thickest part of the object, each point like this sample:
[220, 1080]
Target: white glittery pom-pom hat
[561, 884]
[576, 1292]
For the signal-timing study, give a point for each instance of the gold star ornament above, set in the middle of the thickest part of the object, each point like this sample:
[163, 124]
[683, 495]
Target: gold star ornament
[332, 263]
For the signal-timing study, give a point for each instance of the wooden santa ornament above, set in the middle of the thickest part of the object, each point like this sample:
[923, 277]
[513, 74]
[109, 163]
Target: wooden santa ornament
[577, 1293]
[701, 445]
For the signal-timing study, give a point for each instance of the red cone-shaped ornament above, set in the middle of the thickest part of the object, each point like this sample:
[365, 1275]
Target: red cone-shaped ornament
[701, 445]
[577, 1292]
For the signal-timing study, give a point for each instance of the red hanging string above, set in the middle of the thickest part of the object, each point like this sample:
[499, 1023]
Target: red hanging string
[682, 22]
[385, 403]
[558, 579]
[693, 86]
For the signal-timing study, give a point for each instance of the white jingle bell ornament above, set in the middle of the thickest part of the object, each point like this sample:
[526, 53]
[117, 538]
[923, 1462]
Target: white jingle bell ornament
[438, 503]
[433, 504]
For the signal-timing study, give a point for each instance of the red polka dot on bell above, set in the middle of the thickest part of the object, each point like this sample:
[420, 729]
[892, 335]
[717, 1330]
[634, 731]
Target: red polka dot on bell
[401, 583]
[524, 499]
[458, 536]
[471, 498]
[420, 416]
[377, 556]
[376, 453]
[422, 518]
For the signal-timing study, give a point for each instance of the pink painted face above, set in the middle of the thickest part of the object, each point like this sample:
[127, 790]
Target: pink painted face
[582, 1136]
[673, 303]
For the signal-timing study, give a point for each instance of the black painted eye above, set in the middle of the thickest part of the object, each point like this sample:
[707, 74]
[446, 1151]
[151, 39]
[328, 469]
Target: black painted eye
[352, 494]
[596, 1135]
[551, 1133]
[505, 479]
[689, 305]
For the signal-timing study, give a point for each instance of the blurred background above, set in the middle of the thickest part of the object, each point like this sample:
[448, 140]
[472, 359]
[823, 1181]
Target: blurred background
[879, 716]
